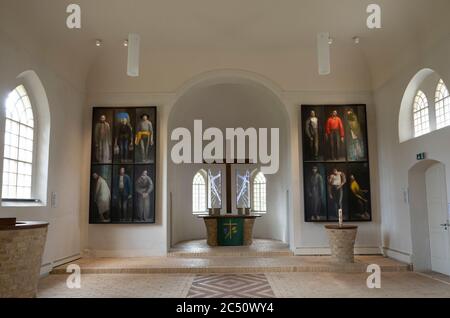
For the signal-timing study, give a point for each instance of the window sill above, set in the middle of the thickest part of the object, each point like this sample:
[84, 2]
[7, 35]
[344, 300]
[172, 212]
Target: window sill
[24, 204]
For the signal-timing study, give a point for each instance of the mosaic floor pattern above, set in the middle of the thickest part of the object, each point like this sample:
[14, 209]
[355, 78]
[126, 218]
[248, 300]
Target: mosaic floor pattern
[231, 286]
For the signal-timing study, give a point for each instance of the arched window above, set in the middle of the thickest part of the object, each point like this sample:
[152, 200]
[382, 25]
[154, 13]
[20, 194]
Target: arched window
[19, 144]
[259, 193]
[421, 115]
[199, 193]
[442, 101]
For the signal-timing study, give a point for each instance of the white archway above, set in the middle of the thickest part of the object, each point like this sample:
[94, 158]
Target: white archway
[237, 78]
[230, 76]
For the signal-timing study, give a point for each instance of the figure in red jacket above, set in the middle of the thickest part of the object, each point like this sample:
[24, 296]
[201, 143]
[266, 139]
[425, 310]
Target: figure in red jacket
[334, 134]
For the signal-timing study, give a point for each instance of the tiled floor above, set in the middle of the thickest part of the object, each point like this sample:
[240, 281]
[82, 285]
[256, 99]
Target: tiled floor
[349, 285]
[265, 269]
[117, 286]
[298, 285]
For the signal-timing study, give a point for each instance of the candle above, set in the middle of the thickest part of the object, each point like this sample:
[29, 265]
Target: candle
[340, 218]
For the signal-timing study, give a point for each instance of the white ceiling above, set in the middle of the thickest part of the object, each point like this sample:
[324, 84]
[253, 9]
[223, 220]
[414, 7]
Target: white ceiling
[231, 24]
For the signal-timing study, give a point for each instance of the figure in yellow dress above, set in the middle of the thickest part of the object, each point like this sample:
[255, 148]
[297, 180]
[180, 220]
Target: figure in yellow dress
[358, 195]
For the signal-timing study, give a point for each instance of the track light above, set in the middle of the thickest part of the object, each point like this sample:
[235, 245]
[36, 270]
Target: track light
[98, 43]
[125, 43]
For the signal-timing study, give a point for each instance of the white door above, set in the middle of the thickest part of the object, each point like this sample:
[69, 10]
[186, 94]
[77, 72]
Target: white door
[438, 218]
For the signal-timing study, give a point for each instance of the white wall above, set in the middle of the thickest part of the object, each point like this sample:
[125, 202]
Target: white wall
[65, 103]
[397, 158]
[304, 238]
[166, 75]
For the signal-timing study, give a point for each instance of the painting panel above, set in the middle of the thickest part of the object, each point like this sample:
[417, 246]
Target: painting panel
[334, 133]
[337, 191]
[313, 133]
[359, 202]
[315, 192]
[356, 134]
[124, 120]
[145, 138]
[122, 199]
[144, 198]
[100, 194]
[102, 135]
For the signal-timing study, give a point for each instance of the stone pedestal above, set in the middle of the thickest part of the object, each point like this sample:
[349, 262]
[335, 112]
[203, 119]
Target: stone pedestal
[248, 231]
[342, 242]
[211, 231]
[21, 248]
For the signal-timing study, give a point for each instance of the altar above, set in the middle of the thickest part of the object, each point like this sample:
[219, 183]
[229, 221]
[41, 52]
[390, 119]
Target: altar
[229, 229]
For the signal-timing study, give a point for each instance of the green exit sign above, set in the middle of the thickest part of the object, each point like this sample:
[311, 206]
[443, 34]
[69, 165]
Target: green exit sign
[420, 156]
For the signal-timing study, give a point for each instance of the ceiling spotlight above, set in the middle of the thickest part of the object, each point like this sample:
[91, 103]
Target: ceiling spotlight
[125, 43]
[356, 39]
[330, 40]
[98, 43]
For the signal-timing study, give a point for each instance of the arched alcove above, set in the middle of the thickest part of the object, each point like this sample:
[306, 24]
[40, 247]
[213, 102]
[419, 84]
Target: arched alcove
[227, 99]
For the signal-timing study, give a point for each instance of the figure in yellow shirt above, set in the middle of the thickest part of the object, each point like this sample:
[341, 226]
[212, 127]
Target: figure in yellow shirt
[359, 195]
[144, 137]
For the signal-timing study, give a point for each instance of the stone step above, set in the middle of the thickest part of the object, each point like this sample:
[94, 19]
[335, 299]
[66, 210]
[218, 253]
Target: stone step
[218, 264]
[259, 248]
[228, 253]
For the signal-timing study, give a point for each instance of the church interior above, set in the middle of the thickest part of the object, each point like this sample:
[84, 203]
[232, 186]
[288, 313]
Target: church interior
[223, 149]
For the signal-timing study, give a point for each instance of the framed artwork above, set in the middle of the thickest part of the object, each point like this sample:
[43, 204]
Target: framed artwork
[335, 163]
[123, 165]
